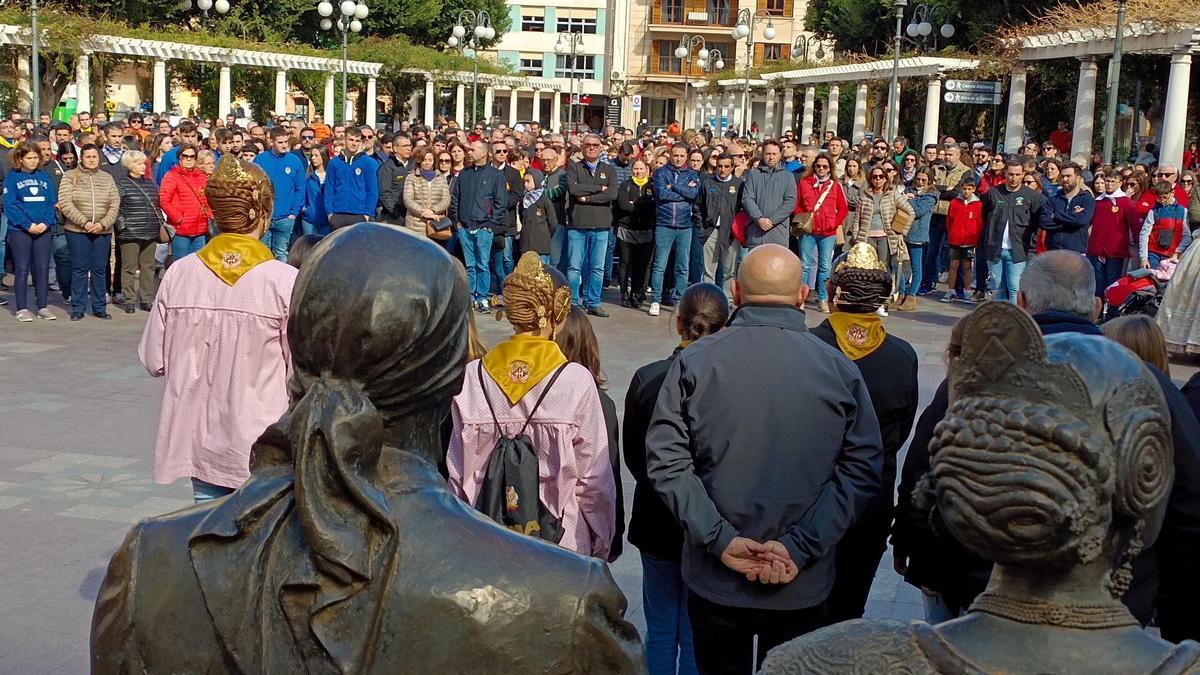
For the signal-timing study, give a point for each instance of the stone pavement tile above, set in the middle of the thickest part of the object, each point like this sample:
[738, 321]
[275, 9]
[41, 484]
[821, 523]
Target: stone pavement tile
[146, 508]
[27, 652]
[28, 347]
[63, 460]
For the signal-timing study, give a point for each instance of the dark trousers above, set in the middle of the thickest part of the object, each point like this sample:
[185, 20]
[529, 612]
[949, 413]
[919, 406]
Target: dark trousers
[89, 258]
[724, 636]
[633, 272]
[114, 271]
[340, 220]
[858, 556]
[696, 259]
[932, 266]
[30, 251]
[62, 264]
[137, 269]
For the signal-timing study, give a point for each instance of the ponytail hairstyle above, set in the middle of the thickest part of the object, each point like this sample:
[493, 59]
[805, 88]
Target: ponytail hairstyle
[703, 310]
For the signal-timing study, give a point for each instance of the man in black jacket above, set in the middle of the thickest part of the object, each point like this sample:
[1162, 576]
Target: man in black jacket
[1058, 290]
[765, 446]
[477, 202]
[393, 170]
[1009, 223]
[591, 187]
[720, 200]
[514, 189]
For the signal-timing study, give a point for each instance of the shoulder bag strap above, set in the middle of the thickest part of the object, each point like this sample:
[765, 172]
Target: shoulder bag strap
[823, 196]
[157, 212]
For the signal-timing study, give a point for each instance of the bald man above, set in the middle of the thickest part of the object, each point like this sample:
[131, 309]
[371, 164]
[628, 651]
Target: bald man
[765, 446]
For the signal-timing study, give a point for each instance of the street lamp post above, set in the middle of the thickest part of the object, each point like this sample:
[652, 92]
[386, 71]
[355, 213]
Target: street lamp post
[569, 44]
[219, 6]
[921, 24]
[480, 26]
[350, 22]
[744, 30]
[1114, 84]
[803, 45]
[687, 43]
[894, 92]
[35, 80]
[709, 61]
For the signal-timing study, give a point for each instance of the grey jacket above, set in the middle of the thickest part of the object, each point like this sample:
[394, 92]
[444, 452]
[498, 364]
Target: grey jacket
[798, 466]
[769, 193]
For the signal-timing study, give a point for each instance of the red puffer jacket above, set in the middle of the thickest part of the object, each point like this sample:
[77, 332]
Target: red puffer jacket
[182, 198]
[833, 210]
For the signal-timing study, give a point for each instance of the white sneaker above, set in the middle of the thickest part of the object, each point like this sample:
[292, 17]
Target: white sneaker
[882, 311]
[24, 316]
[46, 314]
[653, 309]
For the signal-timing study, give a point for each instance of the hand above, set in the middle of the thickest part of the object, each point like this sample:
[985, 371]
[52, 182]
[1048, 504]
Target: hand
[742, 555]
[1078, 209]
[1145, 264]
[782, 568]
[37, 228]
[765, 224]
[1175, 258]
[291, 217]
[428, 214]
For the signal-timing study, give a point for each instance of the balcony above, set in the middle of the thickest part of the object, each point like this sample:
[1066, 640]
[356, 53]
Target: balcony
[694, 15]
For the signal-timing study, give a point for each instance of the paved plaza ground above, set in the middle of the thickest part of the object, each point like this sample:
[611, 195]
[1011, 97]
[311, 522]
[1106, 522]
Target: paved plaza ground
[77, 423]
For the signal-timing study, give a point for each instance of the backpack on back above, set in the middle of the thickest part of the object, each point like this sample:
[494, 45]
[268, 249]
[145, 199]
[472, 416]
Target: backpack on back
[509, 493]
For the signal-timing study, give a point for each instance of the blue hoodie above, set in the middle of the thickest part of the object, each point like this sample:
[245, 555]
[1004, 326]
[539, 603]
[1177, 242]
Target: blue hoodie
[29, 198]
[314, 202]
[352, 188]
[287, 176]
[168, 161]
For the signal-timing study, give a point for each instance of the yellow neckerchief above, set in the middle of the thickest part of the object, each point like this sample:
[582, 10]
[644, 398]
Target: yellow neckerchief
[229, 256]
[858, 335]
[684, 343]
[5, 143]
[520, 362]
[640, 182]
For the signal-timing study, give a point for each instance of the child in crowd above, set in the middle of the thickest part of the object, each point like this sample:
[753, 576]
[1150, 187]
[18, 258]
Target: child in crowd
[964, 222]
[1165, 234]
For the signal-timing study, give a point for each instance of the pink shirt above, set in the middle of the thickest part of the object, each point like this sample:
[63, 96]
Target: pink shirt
[223, 350]
[576, 478]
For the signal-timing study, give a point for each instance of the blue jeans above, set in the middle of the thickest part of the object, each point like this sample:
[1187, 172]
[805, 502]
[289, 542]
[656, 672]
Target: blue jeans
[609, 271]
[3, 240]
[477, 249]
[309, 227]
[502, 264]
[182, 245]
[668, 630]
[916, 267]
[89, 256]
[586, 250]
[933, 264]
[278, 237]
[1107, 271]
[696, 258]
[30, 251]
[665, 239]
[817, 249]
[1007, 275]
[1154, 259]
[62, 264]
[204, 492]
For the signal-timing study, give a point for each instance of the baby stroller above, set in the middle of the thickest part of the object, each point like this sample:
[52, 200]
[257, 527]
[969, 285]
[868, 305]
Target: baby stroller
[1139, 292]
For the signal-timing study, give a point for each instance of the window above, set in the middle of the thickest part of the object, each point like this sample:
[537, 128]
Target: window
[533, 24]
[774, 7]
[718, 12]
[672, 11]
[584, 66]
[772, 52]
[667, 63]
[577, 25]
[531, 66]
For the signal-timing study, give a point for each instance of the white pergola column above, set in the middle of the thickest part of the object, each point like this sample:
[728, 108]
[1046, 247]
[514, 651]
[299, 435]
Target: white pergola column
[1014, 124]
[732, 108]
[788, 119]
[831, 109]
[25, 85]
[414, 102]
[371, 102]
[933, 110]
[224, 91]
[1175, 111]
[280, 92]
[769, 116]
[512, 106]
[428, 101]
[83, 81]
[1085, 110]
[810, 113]
[460, 104]
[489, 102]
[556, 111]
[330, 100]
[893, 115]
[537, 107]
[714, 111]
[160, 85]
[860, 114]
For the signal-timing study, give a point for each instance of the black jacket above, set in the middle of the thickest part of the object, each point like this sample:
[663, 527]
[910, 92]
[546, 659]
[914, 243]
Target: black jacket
[139, 216]
[392, 174]
[1163, 575]
[719, 202]
[590, 195]
[537, 225]
[1019, 210]
[634, 206]
[514, 188]
[797, 465]
[611, 424]
[478, 198]
[652, 528]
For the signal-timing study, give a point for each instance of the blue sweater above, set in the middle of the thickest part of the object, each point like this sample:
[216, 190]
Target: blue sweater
[168, 161]
[1068, 227]
[286, 172]
[314, 202]
[352, 188]
[29, 198]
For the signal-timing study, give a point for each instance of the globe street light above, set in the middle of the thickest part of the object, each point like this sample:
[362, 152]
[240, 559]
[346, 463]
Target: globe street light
[894, 92]
[219, 6]
[569, 44]
[480, 26]
[709, 62]
[352, 14]
[688, 43]
[744, 30]
[803, 45]
[921, 24]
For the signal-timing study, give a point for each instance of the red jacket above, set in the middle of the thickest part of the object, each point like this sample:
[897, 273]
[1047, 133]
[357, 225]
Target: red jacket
[1144, 203]
[1114, 223]
[833, 210]
[964, 222]
[182, 198]
[988, 180]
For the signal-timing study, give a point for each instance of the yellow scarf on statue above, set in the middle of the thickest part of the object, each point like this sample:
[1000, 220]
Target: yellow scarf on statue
[229, 256]
[520, 362]
[858, 335]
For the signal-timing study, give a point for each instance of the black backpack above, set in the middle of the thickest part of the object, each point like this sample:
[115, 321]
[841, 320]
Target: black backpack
[510, 494]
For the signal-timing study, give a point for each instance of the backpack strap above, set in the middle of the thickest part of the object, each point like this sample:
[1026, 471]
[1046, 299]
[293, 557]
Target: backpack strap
[492, 410]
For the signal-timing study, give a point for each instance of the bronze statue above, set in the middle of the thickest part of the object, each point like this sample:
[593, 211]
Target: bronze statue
[1054, 462]
[344, 553]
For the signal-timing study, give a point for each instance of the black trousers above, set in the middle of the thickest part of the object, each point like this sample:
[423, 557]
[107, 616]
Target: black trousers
[858, 556]
[724, 636]
[339, 220]
[633, 270]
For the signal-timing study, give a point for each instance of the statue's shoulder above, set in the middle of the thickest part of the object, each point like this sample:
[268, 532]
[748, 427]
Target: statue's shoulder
[862, 646]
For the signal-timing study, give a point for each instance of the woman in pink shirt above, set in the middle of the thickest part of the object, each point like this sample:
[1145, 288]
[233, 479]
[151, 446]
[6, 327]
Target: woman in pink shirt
[218, 334]
[576, 483]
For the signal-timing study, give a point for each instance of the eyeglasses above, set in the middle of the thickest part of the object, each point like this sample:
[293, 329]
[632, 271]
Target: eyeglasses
[444, 160]
[501, 151]
[1187, 181]
[1164, 174]
[187, 156]
[878, 176]
[307, 137]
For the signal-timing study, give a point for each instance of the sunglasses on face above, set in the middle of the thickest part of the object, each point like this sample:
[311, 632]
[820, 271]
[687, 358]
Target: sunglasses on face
[1187, 181]
[878, 176]
[444, 160]
[1164, 174]
[187, 156]
[307, 137]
